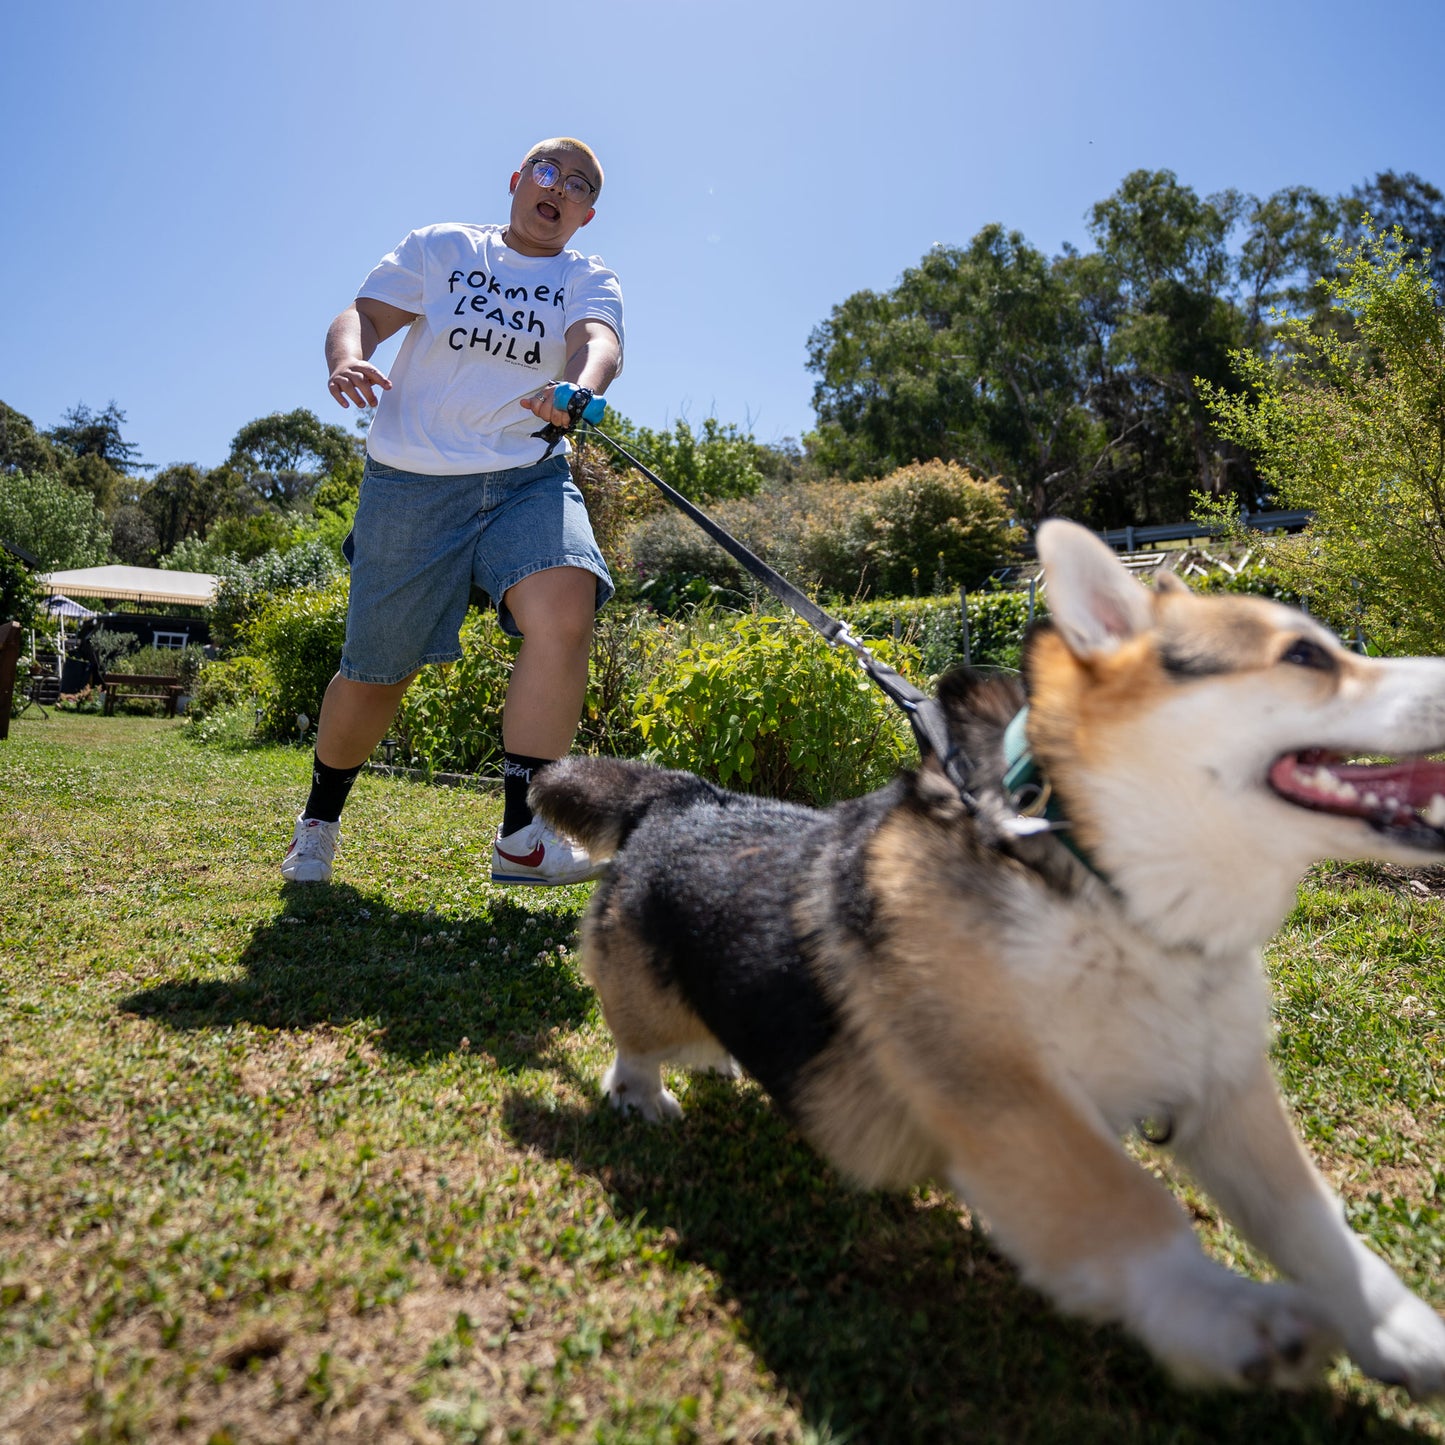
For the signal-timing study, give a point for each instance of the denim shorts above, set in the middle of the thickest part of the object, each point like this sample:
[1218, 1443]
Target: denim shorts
[419, 543]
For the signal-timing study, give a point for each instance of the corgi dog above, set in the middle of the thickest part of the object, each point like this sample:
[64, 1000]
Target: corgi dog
[932, 986]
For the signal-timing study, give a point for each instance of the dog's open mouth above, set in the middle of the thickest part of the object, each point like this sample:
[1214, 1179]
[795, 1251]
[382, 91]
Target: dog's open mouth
[1405, 798]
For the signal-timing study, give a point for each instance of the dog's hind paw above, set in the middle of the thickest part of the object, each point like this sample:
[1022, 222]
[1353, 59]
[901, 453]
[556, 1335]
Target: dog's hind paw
[656, 1108]
[632, 1091]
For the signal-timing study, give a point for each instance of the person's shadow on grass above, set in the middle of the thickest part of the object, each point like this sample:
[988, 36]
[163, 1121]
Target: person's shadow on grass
[883, 1316]
[426, 981]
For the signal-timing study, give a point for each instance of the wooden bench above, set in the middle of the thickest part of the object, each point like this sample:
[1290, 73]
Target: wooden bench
[140, 685]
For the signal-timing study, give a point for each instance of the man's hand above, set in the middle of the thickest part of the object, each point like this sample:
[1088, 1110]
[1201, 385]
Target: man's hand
[355, 383]
[543, 408]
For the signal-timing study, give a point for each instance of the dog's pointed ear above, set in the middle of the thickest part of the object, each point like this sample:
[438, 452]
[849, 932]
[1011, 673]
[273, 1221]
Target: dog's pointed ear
[1093, 600]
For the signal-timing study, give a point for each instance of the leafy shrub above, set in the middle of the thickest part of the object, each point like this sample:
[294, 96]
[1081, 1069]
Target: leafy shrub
[929, 525]
[19, 592]
[614, 498]
[801, 531]
[762, 704]
[230, 683]
[1255, 580]
[110, 649]
[668, 557]
[299, 635]
[1348, 422]
[924, 528]
[627, 649]
[451, 717]
[996, 625]
[179, 662]
[244, 589]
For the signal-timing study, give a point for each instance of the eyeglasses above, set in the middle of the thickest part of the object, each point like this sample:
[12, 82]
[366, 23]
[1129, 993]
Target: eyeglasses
[574, 188]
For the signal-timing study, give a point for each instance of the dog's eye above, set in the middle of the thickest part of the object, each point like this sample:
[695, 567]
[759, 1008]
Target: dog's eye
[1304, 653]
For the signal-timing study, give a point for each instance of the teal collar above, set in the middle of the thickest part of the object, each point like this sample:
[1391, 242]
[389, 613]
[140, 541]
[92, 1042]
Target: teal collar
[1029, 791]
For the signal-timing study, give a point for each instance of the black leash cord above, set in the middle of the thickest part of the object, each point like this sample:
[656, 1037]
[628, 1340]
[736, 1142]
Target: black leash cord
[930, 727]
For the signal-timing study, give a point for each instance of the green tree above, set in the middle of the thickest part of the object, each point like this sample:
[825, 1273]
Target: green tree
[62, 527]
[1070, 378]
[1285, 251]
[877, 399]
[184, 501]
[1352, 427]
[85, 433]
[1167, 250]
[252, 534]
[1015, 384]
[25, 449]
[283, 457]
[99, 459]
[719, 461]
[1406, 201]
[133, 536]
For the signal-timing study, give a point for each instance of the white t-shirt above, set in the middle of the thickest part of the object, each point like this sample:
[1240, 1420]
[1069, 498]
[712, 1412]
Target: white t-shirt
[491, 328]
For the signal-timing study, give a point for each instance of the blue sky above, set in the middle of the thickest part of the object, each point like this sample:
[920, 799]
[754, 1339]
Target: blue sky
[191, 190]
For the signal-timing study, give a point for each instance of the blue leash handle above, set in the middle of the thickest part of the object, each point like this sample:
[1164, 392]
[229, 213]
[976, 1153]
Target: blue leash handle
[594, 410]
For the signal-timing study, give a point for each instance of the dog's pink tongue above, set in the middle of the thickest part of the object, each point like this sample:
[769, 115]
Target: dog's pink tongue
[1363, 789]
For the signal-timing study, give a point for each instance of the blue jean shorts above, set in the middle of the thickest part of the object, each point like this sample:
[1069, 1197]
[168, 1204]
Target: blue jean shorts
[420, 542]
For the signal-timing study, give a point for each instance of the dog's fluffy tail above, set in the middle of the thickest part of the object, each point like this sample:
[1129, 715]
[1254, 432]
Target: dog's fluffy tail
[599, 801]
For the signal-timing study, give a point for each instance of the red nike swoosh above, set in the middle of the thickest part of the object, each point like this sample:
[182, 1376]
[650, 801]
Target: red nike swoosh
[528, 860]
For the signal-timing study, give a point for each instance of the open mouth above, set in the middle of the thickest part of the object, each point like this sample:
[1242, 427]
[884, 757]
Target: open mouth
[548, 211]
[1405, 799]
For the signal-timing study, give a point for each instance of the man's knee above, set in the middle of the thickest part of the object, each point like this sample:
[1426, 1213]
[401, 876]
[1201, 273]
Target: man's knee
[556, 608]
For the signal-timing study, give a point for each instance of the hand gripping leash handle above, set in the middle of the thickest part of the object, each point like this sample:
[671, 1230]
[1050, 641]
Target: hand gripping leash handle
[580, 405]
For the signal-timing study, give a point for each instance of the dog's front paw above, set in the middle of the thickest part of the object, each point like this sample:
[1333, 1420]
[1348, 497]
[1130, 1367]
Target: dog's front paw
[632, 1091]
[1210, 1326]
[1406, 1346]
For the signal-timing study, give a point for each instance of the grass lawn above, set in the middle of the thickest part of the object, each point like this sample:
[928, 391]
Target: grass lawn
[328, 1163]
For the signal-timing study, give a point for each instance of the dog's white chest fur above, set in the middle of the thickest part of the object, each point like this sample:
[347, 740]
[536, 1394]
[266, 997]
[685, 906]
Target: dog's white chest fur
[1137, 1029]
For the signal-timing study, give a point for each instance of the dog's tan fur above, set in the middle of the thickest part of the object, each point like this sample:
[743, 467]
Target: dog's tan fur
[974, 1003]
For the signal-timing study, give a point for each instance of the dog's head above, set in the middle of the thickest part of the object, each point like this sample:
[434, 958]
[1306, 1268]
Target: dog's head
[1204, 747]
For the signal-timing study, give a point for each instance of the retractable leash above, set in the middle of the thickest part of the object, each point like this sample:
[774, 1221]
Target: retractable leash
[925, 715]
[580, 405]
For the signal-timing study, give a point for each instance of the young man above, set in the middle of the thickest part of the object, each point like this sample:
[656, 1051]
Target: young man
[456, 490]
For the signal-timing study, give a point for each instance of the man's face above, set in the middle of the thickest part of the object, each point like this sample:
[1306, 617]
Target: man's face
[545, 217]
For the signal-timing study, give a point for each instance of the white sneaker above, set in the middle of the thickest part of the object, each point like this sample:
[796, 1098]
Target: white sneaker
[313, 846]
[535, 854]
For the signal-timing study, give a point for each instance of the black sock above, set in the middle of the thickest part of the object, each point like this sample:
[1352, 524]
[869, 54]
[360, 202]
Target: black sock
[329, 787]
[517, 772]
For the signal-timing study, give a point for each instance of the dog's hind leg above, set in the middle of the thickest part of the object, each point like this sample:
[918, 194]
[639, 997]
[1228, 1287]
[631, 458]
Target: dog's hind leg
[651, 1022]
[1246, 1153]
